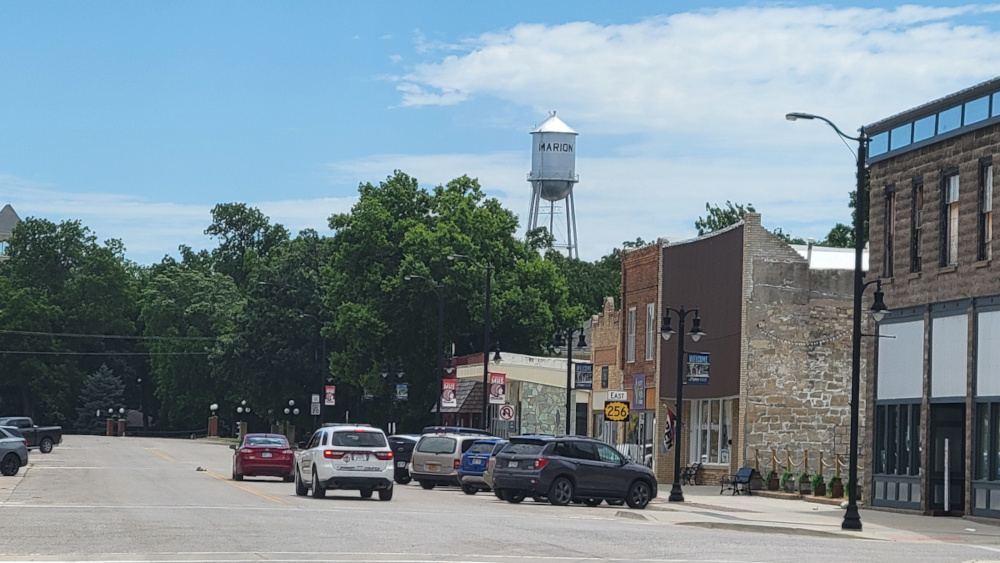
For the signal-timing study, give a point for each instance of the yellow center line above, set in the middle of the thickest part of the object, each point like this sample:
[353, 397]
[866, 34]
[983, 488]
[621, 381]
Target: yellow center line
[161, 454]
[245, 488]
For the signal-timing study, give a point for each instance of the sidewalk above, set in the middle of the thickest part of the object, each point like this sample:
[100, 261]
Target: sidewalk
[703, 506]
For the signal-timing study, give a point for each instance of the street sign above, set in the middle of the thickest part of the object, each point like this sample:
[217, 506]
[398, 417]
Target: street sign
[617, 395]
[314, 409]
[507, 413]
[315, 398]
[616, 410]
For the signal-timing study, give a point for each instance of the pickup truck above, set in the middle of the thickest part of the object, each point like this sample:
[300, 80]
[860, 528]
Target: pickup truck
[41, 437]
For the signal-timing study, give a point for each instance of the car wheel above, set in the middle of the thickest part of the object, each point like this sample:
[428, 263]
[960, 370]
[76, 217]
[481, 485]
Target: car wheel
[638, 494]
[469, 489]
[10, 465]
[616, 502]
[427, 485]
[318, 491]
[45, 446]
[513, 497]
[300, 487]
[592, 501]
[561, 491]
[237, 476]
[498, 493]
[385, 494]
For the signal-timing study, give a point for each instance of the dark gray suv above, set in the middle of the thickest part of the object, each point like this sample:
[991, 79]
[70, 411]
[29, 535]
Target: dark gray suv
[571, 468]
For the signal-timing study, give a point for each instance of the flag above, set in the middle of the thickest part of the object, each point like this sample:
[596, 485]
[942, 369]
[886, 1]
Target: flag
[668, 433]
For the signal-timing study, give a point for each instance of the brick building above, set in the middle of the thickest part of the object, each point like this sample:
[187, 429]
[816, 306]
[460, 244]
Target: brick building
[605, 340]
[936, 380]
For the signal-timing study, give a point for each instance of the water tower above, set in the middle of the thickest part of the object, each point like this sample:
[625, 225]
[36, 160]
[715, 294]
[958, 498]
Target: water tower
[552, 177]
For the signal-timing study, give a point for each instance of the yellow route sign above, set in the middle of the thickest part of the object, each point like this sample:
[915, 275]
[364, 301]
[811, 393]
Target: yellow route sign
[616, 410]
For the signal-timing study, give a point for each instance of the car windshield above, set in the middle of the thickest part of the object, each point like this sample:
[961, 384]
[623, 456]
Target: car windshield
[481, 448]
[523, 449]
[358, 439]
[266, 441]
[436, 445]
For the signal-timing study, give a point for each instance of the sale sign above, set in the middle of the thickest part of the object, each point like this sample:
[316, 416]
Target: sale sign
[498, 388]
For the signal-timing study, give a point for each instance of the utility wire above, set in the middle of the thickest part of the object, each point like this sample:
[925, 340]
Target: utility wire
[26, 352]
[106, 336]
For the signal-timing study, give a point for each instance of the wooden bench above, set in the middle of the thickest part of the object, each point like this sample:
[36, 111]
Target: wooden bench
[689, 475]
[738, 483]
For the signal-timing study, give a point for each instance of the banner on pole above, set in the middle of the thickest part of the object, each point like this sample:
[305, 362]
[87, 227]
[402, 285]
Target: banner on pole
[498, 388]
[584, 376]
[668, 434]
[402, 391]
[330, 395]
[449, 393]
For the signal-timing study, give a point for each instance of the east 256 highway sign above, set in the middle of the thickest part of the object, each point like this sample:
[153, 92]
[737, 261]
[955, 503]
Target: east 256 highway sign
[616, 410]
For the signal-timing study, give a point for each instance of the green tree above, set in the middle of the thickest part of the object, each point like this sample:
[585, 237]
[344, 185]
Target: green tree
[245, 235]
[101, 390]
[719, 218]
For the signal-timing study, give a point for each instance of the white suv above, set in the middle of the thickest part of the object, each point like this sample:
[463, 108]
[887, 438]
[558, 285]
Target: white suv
[345, 456]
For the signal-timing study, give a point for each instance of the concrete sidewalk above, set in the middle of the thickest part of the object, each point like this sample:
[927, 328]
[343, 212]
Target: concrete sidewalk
[703, 506]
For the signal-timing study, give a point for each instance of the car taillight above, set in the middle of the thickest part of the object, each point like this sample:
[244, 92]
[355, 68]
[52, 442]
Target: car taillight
[333, 454]
[457, 463]
[541, 462]
[383, 455]
[25, 443]
[287, 452]
[246, 451]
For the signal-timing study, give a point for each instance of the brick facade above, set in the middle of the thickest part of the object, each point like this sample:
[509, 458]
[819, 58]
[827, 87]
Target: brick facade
[605, 338]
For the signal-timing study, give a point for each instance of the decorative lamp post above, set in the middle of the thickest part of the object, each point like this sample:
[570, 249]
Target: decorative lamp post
[852, 518]
[676, 494]
[486, 335]
[557, 344]
[439, 290]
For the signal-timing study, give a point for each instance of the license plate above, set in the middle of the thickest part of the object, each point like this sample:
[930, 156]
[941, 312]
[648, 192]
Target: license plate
[265, 454]
[432, 466]
[400, 464]
[477, 462]
[360, 457]
[511, 464]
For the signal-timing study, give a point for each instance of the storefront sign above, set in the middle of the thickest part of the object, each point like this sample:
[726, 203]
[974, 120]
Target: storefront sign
[697, 370]
[584, 376]
[498, 388]
[449, 393]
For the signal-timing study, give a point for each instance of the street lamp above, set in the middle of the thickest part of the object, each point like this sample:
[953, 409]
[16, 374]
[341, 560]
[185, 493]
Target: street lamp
[852, 518]
[439, 290]
[676, 494]
[557, 344]
[486, 335]
[323, 365]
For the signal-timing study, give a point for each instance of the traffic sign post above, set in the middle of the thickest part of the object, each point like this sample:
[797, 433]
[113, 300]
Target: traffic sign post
[617, 395]
[506, 413]
[314, 409]
[616, 410]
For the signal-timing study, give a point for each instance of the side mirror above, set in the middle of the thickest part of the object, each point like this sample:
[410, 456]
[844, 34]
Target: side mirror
[232, 446]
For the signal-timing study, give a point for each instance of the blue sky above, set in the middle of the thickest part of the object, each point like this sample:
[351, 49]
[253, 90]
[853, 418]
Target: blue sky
[137, 118]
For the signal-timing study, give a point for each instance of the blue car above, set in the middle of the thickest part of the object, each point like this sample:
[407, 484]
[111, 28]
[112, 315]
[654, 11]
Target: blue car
[474, 462]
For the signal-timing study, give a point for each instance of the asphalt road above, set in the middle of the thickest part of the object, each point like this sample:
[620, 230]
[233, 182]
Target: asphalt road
[144, 499]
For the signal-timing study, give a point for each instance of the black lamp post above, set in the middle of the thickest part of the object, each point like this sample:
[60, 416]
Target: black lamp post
[852, 518]
[439, 290]
[387, 368]
[676, 494]
[486, 336]
[557, 344]
[322, 367]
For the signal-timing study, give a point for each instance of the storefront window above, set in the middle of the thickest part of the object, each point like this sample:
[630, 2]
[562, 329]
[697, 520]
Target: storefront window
[711, 429]
[897, 439]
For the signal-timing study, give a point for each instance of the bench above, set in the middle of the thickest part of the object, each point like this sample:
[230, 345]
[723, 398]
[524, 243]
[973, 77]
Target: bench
[689, 475]
[738, 483]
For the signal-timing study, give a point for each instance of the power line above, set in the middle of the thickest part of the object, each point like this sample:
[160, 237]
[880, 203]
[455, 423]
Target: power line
[26, 352]
[106, 336]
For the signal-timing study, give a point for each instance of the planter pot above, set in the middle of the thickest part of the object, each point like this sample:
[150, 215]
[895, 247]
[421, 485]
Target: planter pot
[837, 489]
[805, 489]
[773, 483]
[820, 490]
[790, 486]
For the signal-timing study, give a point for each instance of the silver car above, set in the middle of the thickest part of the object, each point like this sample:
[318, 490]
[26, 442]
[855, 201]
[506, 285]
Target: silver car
[13, 451]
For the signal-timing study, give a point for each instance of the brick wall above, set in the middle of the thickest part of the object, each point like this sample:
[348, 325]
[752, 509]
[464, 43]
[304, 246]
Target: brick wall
[605, 338]
[640, 282]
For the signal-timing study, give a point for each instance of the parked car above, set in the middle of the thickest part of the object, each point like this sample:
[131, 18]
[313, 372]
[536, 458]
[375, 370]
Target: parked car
[41, 437]
[345, 456]
[571, 468]
[402, 449]
[488, 473]
[13, 451]
[473, 465]
[263, 455]
[436, 457]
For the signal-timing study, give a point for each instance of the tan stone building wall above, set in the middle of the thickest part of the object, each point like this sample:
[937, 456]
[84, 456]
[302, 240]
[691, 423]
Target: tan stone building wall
[605, 338]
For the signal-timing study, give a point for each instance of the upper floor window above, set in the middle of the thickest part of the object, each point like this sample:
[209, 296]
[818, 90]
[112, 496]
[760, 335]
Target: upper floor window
[890, 230]
[630, 339]
[650, 330]
[949, 219]
[985, 251]
[916, 225]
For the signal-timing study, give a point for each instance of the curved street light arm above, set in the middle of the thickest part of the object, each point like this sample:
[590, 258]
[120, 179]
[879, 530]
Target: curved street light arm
[800, 115]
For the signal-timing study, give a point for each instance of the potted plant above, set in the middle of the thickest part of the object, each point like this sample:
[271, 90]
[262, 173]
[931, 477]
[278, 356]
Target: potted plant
[818, 485]
[805, 484]
[772, 481]
[787, 482]
[836, 487]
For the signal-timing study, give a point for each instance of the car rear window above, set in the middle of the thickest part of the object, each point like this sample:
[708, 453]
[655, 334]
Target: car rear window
[499, 447]
[436, 445]
[523, 449]
[266, 441]
[355, 439]
[482, 448]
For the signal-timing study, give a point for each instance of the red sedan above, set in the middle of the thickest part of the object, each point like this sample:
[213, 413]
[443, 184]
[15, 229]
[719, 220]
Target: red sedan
[267, 455]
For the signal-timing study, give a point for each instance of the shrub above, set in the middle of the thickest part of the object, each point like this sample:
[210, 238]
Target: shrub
[816, 480]
[784, 478]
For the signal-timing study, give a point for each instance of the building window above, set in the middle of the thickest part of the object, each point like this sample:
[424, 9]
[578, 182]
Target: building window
[630, 341]
[897, 439]
[949, 219]
[985, 250]
[890, 230]
[986, 460]
[650, 330]
[916, 225]
[711, 429]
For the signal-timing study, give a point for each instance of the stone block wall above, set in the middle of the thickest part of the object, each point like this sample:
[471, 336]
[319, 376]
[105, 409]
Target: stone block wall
[543, 409]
